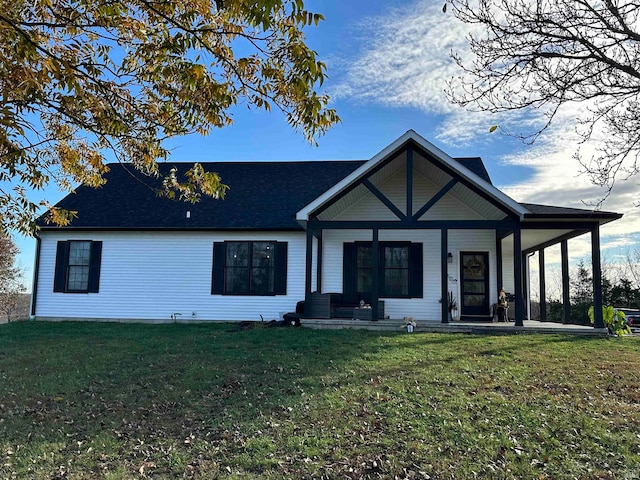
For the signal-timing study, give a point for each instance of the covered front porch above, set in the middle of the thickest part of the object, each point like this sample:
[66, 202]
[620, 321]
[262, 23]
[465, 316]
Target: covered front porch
[419, 230]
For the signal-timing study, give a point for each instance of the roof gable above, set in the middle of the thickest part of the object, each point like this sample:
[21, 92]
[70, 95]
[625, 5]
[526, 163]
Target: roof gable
[476, 179]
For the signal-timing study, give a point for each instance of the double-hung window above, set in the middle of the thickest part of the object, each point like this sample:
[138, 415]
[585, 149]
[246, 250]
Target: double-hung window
[77, 267]
[249, 268]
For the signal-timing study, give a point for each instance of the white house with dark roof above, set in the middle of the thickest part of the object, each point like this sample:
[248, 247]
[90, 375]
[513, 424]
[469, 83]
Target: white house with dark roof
[399, 232]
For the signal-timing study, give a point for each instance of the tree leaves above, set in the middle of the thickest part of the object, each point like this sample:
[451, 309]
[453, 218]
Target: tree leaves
[543, 56]
[82, 77]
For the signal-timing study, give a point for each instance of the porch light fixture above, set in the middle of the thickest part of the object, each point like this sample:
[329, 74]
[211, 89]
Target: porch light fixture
[449, 257]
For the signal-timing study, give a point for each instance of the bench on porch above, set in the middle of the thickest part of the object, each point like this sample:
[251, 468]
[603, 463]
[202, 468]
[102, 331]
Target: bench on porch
[332, 305]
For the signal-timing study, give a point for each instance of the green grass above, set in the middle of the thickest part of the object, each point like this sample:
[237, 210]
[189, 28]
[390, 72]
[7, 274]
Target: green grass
[84, 401]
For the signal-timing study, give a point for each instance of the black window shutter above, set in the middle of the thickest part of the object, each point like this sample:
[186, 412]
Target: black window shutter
[349, 294]
[60, 272]
[94, 267]
[281, 268]
[217, 276]
[415, 281]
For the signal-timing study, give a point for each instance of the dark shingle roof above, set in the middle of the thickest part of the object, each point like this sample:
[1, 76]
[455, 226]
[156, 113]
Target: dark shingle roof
[549, 211]
[476, 165]
[262, 195]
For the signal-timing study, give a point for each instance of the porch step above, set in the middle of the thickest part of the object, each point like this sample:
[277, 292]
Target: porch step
[336, 323]
[488, 328]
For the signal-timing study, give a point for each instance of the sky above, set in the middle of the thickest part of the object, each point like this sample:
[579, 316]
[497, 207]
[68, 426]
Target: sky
[388, 64]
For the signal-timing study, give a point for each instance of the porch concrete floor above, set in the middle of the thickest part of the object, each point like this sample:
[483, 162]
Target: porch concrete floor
[530, 326]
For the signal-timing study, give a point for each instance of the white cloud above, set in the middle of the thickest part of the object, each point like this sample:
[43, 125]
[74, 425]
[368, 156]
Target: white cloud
[407, 60]
[407, 64]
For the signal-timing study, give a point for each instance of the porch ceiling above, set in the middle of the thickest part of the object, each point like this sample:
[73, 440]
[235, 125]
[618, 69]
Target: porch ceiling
[378, 169]
[549, 225]
[533, 238]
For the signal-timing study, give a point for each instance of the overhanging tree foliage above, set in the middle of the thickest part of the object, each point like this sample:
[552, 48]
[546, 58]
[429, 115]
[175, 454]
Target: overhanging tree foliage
[79, 78]
[547, 53]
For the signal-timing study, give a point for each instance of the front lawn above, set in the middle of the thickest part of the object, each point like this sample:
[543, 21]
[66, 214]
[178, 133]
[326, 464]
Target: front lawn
[115, 401]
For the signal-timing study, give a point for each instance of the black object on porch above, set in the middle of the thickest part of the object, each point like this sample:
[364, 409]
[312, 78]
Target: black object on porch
[332, 305]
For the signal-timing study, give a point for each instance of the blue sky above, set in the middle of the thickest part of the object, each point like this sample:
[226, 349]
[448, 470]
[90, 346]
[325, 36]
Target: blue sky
[388, 64]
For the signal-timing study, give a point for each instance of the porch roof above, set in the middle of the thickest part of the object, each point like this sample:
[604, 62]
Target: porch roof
[548, 212]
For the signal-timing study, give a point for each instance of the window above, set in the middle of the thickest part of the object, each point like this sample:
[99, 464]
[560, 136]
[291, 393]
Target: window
[394, 263]
[400, 270]
[249, 268]
[77, 267]
[364, 264]
[396, 271]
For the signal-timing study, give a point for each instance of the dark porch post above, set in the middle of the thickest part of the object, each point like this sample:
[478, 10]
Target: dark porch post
[444, 275]
[375, 267]
[307, 272]
[319, 263]
[517, 273]
[543, 287]
[566, 299]
[409, 211]
[499, 262]
[598, 321]
[525, 286]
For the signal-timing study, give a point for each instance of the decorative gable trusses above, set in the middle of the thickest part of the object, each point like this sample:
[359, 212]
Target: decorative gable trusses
[417, 157]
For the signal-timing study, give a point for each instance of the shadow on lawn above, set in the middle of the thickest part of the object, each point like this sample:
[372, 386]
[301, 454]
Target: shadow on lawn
[84, 397]
[100, 393]
[490, 344]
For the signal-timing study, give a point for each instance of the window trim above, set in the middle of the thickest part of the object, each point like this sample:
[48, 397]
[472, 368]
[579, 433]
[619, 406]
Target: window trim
[69, 266]
[279, 268]
[61, 272]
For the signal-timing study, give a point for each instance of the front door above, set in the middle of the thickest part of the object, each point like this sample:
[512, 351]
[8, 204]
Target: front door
[474, 275]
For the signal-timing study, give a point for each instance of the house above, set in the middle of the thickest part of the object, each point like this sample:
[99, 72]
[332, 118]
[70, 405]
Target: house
[428, 224]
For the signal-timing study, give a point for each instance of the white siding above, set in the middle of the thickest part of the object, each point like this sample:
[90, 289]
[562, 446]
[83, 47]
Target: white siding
[508, 279]
[150, 275]
[332, 249]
